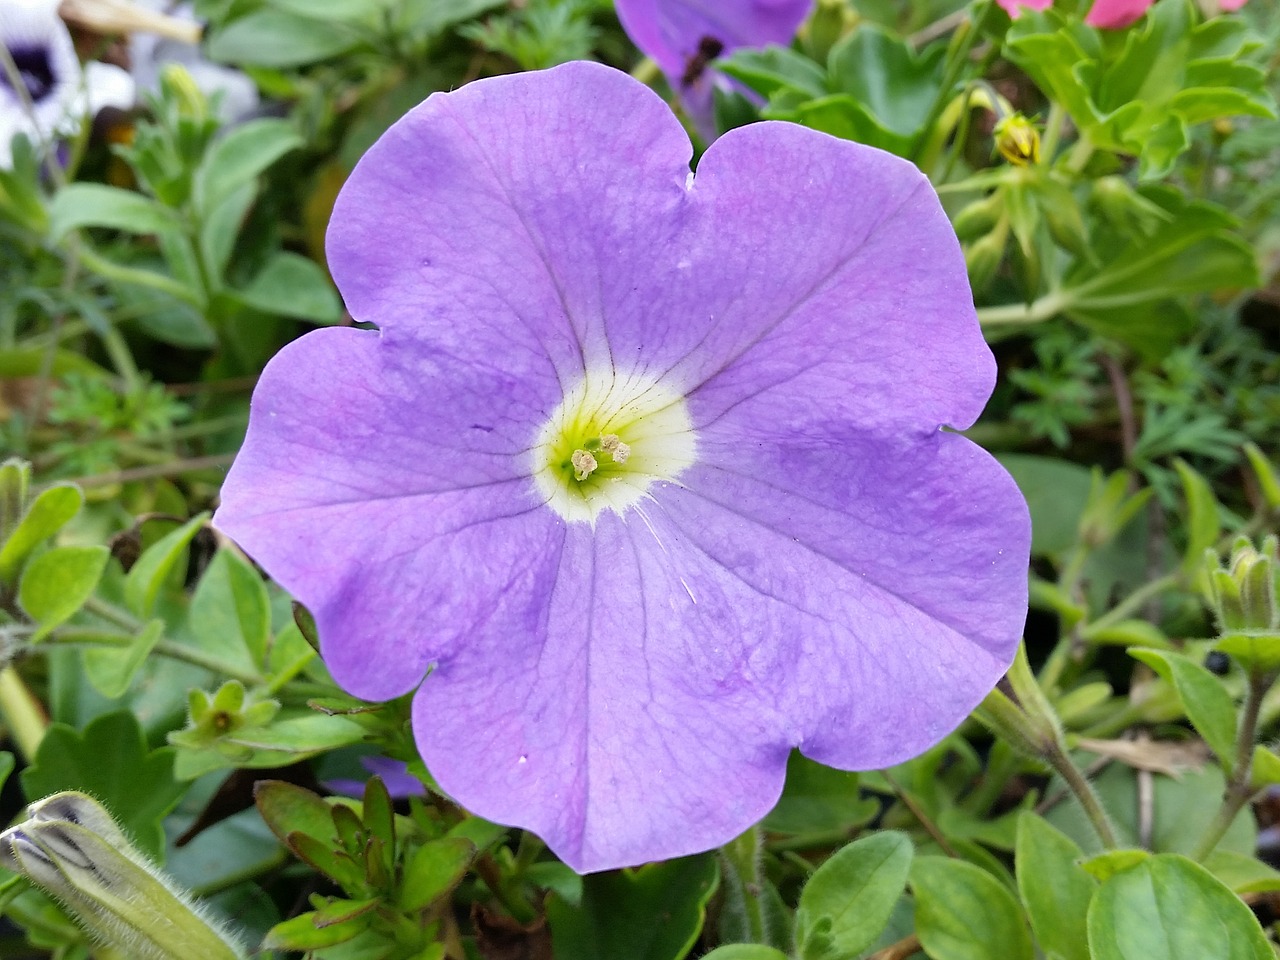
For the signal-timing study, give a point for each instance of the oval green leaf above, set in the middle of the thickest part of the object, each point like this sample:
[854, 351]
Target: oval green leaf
[45, 517]
[57, 583]
[1170, 908]
[848, 900]
[964, 913]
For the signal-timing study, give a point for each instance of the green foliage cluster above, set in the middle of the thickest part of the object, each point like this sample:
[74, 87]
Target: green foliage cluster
[1117, 194]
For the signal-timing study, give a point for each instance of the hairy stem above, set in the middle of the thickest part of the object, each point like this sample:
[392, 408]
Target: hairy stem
[1239, 785]
[1084, 793]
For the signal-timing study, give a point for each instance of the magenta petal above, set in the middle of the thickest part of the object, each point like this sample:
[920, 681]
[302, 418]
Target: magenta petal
[1116, 14]
[1014, 7]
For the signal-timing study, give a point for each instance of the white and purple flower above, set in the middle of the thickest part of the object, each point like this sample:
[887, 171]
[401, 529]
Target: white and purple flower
[56, 93]
[645, 473]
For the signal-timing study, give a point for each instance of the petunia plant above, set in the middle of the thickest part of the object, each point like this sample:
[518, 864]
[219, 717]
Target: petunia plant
[470, 511]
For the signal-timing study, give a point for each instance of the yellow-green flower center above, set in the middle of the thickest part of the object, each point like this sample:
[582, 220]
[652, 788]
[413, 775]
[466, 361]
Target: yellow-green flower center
[610, 439]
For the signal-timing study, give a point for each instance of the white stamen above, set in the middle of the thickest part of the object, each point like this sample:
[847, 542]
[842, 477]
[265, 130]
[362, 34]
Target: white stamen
[611, 445]
[584, 464]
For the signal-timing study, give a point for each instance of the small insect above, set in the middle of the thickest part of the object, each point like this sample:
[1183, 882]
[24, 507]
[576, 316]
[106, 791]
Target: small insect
[708, 49]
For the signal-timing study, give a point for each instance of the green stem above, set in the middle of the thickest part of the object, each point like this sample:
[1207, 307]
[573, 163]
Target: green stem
[918, 812]
[962, 42]
[121, 357]
[1239, 788]
[1084, 793]
[1053, 126]
[646, 71]
[92, 639]
[1132, 603]
[1046, 307]
[205, 427]
[822, 840]
[172, 469]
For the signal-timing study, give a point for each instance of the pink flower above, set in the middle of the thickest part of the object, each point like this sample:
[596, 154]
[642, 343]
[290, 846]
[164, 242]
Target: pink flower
[1107, 14]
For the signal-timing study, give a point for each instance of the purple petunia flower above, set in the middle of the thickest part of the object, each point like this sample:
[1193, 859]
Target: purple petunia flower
[647, 470]
[395, 777]
[684, 36]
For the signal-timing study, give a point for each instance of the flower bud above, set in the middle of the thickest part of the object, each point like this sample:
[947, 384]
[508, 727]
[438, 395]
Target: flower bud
[1243, 596]
[978, 217]
[180, 86]
[829, 22]
[1017, 140]
[983, 256]
[15, 485]
[73, 849]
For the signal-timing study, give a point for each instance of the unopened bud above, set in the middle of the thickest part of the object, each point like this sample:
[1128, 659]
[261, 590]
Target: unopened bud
[73, 849]
[830, 21]
[15, 485]
[1243, 593]
[1017, 140]
[983, 256]
[979, 217]
[182, 87]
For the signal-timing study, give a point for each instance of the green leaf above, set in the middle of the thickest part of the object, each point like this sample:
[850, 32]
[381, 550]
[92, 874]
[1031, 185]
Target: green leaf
[847, 902]
[653, 913]
[1265, 771]
[1110, 862]
[230, 613]
[292, 285]
[1242, 873]
[1203, 524]
[95, 205]
[745, 951]
[426, 18]
[964, 913]
[434, 869]
[276, 38]
[1170, 908]
[6, 766]
[773, 69]
[817, 798]
[112, 671]
[297, 737]
[289, 809]
[886, 76]
[44, 517]
[842, 116]
[1053, 887]
[333, 863]
[236, 160]
[110, 761]
[1056, 492]
[57, 583]
[222, 227]
[143, 584]
[1208, 705]
[332, 9]
[301, 933]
